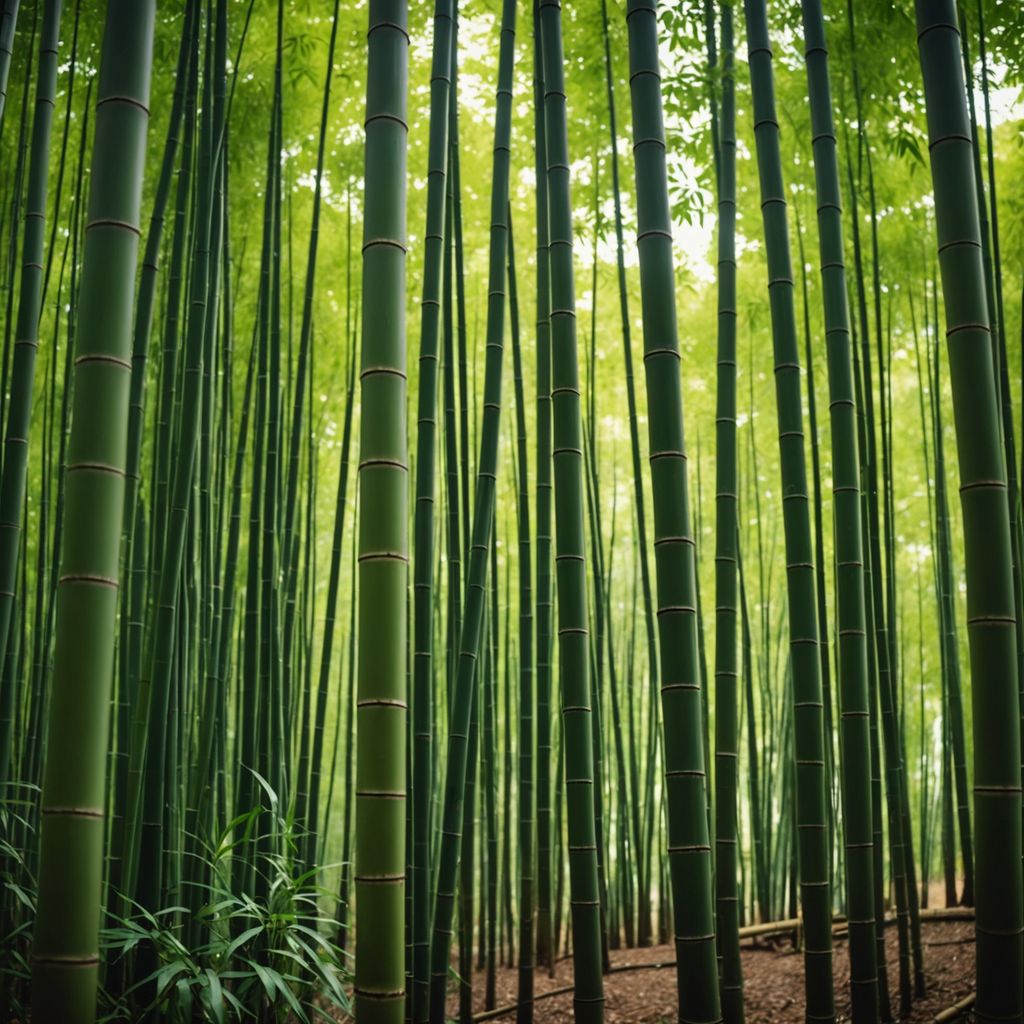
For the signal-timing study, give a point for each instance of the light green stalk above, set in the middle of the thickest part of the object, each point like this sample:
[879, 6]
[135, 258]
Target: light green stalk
[65, 946]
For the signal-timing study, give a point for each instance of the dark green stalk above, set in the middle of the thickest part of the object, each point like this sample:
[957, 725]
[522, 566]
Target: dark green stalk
[988, 562]
[545, 938]
[570, 558]
[383, 533]
[524, 994]
[855, 765]
[470, 642]
[808, 733]
[8, 23]
[689, 849]
[440, 91]
[26, 340]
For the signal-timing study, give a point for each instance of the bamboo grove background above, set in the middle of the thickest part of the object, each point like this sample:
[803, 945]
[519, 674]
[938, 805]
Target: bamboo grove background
[444, 362]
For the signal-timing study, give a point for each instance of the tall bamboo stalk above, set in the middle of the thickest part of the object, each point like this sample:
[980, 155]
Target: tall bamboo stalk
[808, 733]
[381, 700]
[689, 848]
[570, 557]
[855, 764]
[472, 639]
[423, 539]
[990, 599]
[545, 937]
[65, 957]
[727, 904]
[26, 341]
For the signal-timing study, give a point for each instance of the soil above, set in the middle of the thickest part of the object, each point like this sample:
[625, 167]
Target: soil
[773, 978]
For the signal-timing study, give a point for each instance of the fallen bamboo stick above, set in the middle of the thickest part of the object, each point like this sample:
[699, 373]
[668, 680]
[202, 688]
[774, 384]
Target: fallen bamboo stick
[954, 1011]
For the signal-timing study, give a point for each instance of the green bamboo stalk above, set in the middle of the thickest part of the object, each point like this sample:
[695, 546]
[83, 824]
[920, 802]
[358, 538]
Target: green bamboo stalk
[383, 538]
[65, 951]
[689, 850]
[158, 786]
[8, 23]
[525, 783]
[545, 937]
[810, 803]
[490, 756]
[570, 559]
[643, 885]
[819, 552]
[470, 641]
[991, 632]
[330, 616]
[855, 764]
[727, 853]
[16, 209]
[440, 90]
[306, 802]
[26, 342]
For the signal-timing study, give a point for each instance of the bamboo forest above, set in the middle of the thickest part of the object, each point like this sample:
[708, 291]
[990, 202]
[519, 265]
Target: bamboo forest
[510, 511]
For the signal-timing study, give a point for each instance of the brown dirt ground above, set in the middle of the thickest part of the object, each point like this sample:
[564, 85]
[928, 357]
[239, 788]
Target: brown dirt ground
[773, 976]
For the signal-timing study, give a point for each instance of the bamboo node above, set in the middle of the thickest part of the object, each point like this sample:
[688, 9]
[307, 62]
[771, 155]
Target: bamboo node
[103, 581]
[100, 357]
[109, 222]
[131, 101]
[95, 813]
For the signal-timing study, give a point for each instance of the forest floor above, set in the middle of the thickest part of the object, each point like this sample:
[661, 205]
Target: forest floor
[773, 981]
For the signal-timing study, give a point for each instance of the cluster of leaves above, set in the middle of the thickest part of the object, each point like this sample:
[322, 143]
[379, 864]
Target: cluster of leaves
[241, 958]
[17, 901]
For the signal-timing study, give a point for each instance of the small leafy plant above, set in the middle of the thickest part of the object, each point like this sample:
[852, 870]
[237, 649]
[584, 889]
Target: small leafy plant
[241, 956]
